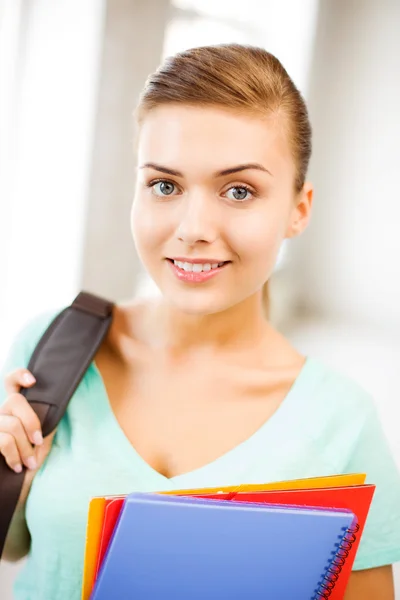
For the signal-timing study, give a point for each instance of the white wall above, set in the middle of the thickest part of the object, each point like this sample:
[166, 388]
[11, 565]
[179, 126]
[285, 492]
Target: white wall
[348, 263]
[345, 269]
[51, 140]
[133, 43]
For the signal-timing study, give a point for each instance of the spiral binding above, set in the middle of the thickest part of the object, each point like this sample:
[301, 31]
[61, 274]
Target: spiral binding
[328, 581]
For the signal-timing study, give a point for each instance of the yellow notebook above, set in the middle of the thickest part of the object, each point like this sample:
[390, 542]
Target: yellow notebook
[97, 508]
[293, 484]
[93, 533]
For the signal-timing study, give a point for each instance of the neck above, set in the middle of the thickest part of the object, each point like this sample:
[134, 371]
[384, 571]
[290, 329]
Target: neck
[240, 325]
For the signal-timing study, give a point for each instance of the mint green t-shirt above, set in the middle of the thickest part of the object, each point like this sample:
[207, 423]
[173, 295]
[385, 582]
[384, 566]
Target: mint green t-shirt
[326, 425]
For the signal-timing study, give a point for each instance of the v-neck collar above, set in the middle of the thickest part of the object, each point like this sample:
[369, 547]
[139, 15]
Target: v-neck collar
[232, 463]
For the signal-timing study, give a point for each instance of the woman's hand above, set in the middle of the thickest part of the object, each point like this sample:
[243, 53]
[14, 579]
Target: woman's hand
[21, 441]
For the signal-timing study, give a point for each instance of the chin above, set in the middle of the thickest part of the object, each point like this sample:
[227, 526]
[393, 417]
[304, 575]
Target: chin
[199, 306]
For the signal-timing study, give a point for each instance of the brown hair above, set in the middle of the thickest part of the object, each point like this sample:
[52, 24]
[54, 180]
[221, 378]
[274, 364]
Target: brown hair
[243, 78]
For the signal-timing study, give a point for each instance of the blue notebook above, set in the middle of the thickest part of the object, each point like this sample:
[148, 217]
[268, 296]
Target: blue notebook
[168, 547]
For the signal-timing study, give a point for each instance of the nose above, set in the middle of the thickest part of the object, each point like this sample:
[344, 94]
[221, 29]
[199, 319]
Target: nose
[197, 221]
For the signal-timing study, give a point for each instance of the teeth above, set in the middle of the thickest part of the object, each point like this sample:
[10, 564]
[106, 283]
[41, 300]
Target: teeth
[197, 267]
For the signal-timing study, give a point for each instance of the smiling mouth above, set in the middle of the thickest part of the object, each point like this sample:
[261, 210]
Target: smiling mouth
[190, 267]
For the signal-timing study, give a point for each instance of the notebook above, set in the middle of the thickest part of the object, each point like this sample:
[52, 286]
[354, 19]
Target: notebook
[187, 547]
[97, 539]
[94, 550]
[112, 512]
[355, 498]
[289, 484]
[94, 531]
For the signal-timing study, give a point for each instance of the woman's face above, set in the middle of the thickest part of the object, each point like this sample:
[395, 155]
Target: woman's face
[214, 200]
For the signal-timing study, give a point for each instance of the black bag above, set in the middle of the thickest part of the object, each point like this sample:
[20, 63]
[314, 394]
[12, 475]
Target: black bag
[59, 362]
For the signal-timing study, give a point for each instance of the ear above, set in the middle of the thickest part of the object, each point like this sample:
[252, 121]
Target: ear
[301, 211]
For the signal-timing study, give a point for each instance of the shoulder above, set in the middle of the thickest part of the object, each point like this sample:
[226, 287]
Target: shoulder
[24, 343]
[335, 393]
[31, 330]
[337, 412]
[28, 335]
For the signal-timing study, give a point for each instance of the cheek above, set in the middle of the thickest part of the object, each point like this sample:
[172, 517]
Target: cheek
[257, 240]
[147, 226]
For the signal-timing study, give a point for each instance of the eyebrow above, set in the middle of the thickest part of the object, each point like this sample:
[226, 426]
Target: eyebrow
[237, 169]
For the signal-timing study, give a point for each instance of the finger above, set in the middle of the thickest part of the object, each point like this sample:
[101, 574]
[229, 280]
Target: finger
[8, 448]
[11, 426]
[17, 379]
[42, 451]
[17, 405]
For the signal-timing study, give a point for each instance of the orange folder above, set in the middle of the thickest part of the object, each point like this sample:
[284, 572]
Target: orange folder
[99, 530]
[291, 484]
[93, 536]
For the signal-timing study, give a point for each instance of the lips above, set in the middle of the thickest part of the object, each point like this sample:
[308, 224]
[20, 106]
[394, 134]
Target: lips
[197, 267]
[196, 271]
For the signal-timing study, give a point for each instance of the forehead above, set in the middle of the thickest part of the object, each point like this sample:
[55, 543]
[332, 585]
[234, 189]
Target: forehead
[211, 137]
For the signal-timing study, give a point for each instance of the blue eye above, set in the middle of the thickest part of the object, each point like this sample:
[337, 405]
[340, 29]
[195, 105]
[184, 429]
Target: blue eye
[163, 188]
[240, 193]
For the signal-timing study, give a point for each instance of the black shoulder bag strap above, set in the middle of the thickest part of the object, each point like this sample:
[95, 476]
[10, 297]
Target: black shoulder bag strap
[59, 362]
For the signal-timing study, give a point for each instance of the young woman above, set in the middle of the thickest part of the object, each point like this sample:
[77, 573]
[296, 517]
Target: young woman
[197, 388]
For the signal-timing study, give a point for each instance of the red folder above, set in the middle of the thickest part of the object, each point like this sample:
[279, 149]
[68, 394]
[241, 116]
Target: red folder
[355, 498]
[112, 511]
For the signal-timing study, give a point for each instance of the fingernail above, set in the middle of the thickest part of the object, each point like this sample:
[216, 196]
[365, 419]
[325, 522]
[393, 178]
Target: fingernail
[31, 463]
[28, 378]
[18, 468]
[37, 438]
